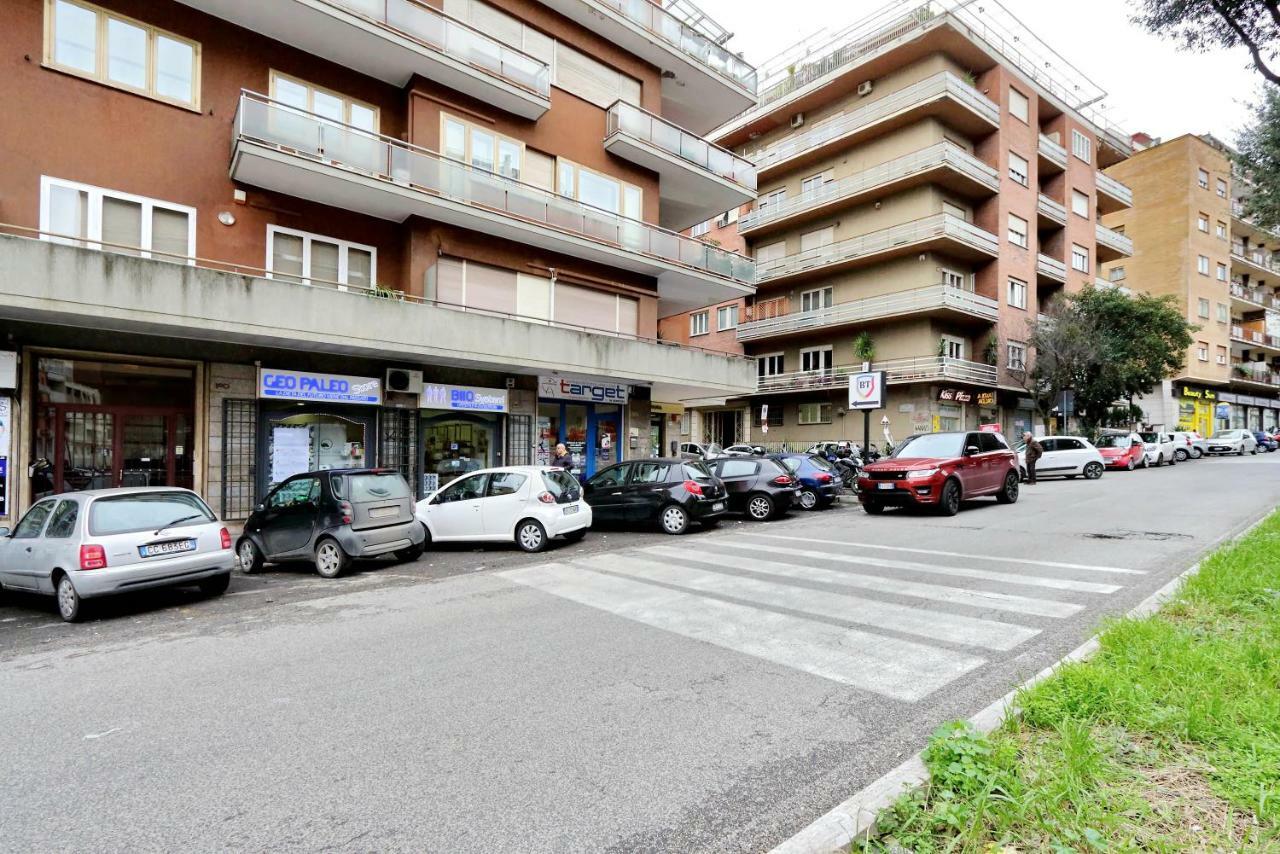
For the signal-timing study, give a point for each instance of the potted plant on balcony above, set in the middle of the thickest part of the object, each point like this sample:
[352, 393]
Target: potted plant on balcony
[864, 347]
[991, 352]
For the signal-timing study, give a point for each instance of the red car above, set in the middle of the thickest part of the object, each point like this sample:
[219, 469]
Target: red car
[1122, 451]
[939, 470]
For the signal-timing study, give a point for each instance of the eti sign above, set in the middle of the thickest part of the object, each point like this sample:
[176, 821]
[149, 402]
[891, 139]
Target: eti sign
[563, 388]
[866, 390]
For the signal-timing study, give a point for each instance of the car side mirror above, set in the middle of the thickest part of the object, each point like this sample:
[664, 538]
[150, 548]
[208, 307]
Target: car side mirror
[258, 508]
[970, 450]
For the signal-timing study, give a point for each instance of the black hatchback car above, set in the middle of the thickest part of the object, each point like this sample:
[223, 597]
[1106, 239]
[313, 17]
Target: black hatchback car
[670, 492]
[760, 488]
[333, 517]
[819, 482]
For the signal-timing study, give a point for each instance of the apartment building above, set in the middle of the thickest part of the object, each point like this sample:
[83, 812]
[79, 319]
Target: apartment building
[243, 239]
[929, 180]
[1194, 242]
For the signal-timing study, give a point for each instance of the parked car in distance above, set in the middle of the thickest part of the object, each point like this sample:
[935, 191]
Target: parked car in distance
[1122, 451]
[697, 451]
[527, 505]
[1158, 447]
[1064, 456]
[940, 470]
[672, 493]
[1239, 442]
[332, 517]
[1266, 443]
[1188, 445]
[83, 545]
[760, 488]
[745, 451]
[819, 481]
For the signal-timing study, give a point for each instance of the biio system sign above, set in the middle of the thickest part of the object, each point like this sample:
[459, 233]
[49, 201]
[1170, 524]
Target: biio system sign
[321, 388]
[463, 397]
[866, 390]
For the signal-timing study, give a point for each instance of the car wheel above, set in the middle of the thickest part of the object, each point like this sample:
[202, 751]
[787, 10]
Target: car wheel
[531, 536]
[331, 560]
[249, 556]
[1009, 494]
[412, 553]
[1092, 471]
[674, 519]
[216, 585]
[575, 536]
[949, 501]
[873, 508]
[70, 605]
[1196, 453]
[808, 499]
[1181, 456]
[1159, 460]
[760, 507]
[1130, 465]
[1254, 452]
[1146, 464]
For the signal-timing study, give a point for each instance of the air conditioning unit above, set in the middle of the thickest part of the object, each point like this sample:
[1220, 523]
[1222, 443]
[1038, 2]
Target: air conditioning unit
[401, 380]
[797, 120]
[864, 88]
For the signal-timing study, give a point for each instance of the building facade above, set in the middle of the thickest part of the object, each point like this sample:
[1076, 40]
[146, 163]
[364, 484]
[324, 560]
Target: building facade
[927, 184]
[1194, 243]
[245, 239]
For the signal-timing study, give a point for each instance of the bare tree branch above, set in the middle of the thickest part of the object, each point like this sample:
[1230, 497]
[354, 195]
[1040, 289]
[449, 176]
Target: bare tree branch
[1246, 40]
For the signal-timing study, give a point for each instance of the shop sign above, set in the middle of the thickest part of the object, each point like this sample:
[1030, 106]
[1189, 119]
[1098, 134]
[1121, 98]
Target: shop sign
[8, 369]
[463, 397]
[866, 390]
[1222, 411]
[989, 428]
[562, 388]
[1199, 393]
[986, 398]
[323, 388]
[955, 395]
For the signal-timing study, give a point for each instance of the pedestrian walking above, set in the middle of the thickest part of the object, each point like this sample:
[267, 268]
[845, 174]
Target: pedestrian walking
[1034, 451]
[562, 458]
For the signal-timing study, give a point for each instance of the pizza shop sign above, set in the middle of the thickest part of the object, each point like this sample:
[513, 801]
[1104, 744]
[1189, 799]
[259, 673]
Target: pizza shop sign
[963, 395]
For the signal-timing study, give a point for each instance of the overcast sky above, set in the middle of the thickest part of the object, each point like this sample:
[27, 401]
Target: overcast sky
[1153, 87]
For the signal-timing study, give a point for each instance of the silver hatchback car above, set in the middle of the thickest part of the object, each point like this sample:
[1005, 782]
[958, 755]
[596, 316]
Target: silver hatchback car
[82, 545]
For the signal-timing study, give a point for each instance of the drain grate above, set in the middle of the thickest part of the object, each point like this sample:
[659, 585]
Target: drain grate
[1155, 536]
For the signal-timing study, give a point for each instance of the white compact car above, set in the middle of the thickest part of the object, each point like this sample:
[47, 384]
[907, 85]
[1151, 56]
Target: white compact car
[1188, 445]
[1159, 448]
[527, 505]
[1239, 442]
[1065, 456]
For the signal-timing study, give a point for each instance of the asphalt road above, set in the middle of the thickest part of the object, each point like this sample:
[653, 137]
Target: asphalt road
[636, 692]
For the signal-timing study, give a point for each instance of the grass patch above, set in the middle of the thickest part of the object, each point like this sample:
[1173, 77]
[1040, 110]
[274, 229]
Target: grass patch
[1168, 739]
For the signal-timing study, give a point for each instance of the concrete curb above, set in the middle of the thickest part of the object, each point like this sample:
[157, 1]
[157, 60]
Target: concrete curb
[855, 818]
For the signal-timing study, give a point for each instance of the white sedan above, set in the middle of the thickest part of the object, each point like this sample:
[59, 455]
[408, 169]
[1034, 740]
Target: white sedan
[527, 505]
[1159, 448]
[1065, 456]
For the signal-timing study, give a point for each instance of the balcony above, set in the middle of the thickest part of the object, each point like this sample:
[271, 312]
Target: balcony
[300, 154]
[944, 94]
[1050, 214]
[1112, 195]
[1252, 263]
[935, 300]
[944, 163]
[1244, 225]
[1112, 245]
[898, 372]
[1052, 156]
[1254, 338]
[392, 40]
[697, 179]
[941, 231]
[703, 83]
[1253, 298]
[1257, 373]
[1050, 270]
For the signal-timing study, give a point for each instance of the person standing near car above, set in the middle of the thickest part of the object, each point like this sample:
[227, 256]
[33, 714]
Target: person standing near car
[562, 459]
[1034, 451]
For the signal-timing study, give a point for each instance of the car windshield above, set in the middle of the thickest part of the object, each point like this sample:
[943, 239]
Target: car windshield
[1227, 434]
[1150, 437]
[714, 449]
[931, 445]
[820, 463]
[694, 470]
[374, 486]
[560, 483]
[146, 511]
[1114, 441]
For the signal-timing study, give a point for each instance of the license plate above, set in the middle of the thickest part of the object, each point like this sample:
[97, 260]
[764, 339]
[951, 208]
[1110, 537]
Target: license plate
[884, 486]
[719, 505]
[380, 512]
[570, 509]
[173, 548]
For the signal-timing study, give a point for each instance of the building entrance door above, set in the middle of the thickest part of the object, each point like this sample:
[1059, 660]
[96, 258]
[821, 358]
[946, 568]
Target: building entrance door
[99, 447]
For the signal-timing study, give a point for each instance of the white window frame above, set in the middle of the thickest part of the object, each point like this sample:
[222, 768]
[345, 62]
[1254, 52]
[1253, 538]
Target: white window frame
[347, 101]
[1024, 242]
[1081, 143]
[1224, 313]
[732, 313]
[700, 229]
[1019, 175]
[823, 409]
[1202, 265]
[563, 163]
[1116, 274]
[93, 219]
[814, 182]
[343, 247]
[699, 323]
[954, 279]
[1222, 188]
[1202, 222]
[1222, 230]
[1202, 351]
[1014, 287]
[469, 129]
[1016, 97]
[765, 363]
[954, 345]
[1203, 308]
[1222, 272]
[1079, 252]
[1202, 178]
[1077, 195]
[823, 294]
[1222, 355]
[810, 351]
[775, 197]
[1018, 349]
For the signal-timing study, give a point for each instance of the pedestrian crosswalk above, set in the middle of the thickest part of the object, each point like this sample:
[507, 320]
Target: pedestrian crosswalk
[901, 627]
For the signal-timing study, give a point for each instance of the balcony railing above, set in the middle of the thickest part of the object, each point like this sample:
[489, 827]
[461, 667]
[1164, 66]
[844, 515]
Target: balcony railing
[1051, 209]
[914, 369]
[645, 126]
[938, 225]
[940, 154]
[1257, 296]
[1260, 260]
[942, 84]
[1254, 336]
[1051, 268]
[404, 165]
[1114, 240]
[928, 298]
[1113, 188]
[1053, 152]
[1256, 372]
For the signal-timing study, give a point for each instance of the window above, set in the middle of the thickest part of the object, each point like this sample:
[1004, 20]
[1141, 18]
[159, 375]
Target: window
[700, 229]
[1222, 188]
[1202, 265]
[612, 476]
[1224, 313]
[1202, 351]
[1202, 178]
[769, 364]
[817, 239]
[591, 80]
[955, 210]
[698, 323]
[775, 415]
[482, 148]
[1080, 203]
[301, 256]
[323, 102]
[737, 468]
[815, 182]
[1222, 272]
[1222, 230]
[952, 347]
[1117, 274]
[94, 217]
[1222, 355]
[1018, 107]
[815, 413]
[63, 522]
[1081, 146]
[1079, 258]
[1017, 293]
[817, 299]
[87, 41]
[816, 359]
[1017, 352]
[726, 317]
[990, 442]
[1018, 168]
[771, 252]
[597, 190]
[505, 483]
[1017, 231]
[952, 279]
[32, 523]
[1202, 222]
[776, 197]
[465, 489]
[1204, 308]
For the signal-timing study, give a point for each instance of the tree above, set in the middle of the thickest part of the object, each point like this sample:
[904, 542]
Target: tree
[1258, 157]
[1205, 25]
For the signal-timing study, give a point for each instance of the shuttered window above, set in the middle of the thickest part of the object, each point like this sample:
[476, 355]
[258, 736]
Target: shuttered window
[593, 81]
[135, 225]
[539, 169]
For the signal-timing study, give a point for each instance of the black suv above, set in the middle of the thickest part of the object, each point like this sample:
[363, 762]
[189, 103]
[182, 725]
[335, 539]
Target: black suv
[332, 517]
[666, 491]
[760, 488]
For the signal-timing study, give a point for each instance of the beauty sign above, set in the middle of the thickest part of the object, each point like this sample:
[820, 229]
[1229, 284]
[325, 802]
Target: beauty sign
[866, 390]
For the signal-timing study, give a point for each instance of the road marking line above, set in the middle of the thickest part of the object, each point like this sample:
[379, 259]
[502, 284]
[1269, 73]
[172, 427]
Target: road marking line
[902, 670]
[1049, 563]
[937, 625]
[880, 584]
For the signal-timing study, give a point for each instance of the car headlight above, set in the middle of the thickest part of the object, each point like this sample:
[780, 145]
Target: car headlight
[920, 474]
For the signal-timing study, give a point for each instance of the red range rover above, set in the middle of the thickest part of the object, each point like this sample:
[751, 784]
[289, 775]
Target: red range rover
[940, 470]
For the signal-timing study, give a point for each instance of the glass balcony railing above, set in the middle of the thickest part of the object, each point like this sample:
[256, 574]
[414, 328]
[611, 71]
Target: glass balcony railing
[400, 164]
[438, 31]
[645, 126]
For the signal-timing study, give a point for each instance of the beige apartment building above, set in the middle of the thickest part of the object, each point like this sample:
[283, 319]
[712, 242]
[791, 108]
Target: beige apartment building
[928, 182]
[1195, 243]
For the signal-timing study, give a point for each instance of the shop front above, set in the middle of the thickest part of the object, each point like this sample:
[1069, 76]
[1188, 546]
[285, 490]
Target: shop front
[1196, 408]
[964, 409]
[588, 417]
[462, 431]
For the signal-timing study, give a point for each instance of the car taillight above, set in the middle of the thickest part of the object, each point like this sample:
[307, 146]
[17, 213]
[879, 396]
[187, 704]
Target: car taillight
[547, 498]
[226, 538]
[347, 511]
[93, 557]
[693, 488]
[782, 480]
[823, 477]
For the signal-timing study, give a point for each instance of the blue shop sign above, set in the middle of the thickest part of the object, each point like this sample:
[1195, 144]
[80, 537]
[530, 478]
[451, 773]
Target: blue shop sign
[463, 397]
[321, 388]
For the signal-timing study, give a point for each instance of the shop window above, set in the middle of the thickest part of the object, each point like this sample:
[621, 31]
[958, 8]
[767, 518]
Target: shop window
[304, 257]
[84, 215]
[313, 441]
[481, 147]
[455, 444]
[950, 418]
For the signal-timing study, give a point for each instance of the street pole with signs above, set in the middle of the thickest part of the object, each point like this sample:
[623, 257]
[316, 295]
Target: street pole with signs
[866, 393]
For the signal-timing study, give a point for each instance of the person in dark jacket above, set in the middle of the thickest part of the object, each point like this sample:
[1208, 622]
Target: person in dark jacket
[1034, 452]
[561, 459]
